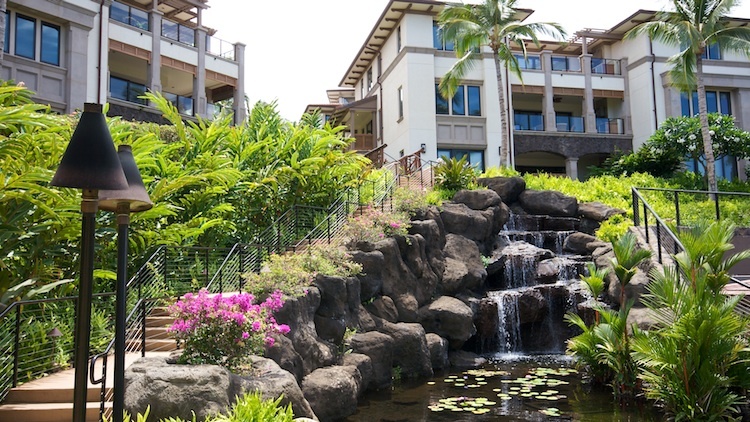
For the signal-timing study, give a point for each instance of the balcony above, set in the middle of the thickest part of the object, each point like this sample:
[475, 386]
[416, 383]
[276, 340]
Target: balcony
[605, 66]
[125, 90]
[528, 121]
[570, 124]
[566, 64]
[363, 142]
[611, 126]
[183, 104]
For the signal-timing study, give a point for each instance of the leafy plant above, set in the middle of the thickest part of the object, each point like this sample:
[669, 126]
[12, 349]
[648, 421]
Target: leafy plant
[454, 175]
[252, 408]
[697, 358]
[409, 200]
[372, 225]
[225, 330]
[293, 273]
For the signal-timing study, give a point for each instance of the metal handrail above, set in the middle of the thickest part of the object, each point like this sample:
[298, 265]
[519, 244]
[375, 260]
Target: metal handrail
[660, 224]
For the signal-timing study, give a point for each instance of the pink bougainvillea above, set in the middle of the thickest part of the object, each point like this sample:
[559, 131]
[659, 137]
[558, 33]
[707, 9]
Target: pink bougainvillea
[225, 330]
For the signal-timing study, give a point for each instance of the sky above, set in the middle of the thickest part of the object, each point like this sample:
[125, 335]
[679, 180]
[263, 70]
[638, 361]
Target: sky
[298, 49]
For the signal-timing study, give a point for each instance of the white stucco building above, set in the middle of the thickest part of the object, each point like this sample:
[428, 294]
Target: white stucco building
[75, 51]
[579, 101]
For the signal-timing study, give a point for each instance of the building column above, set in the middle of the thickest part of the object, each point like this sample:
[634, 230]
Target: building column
[627, 119]
[571, 167]
[77, 75]
[103, 71]
[199, 81]
[589, 116]
[154, 67]
[3, 27]
[240, 108]
[548, 104]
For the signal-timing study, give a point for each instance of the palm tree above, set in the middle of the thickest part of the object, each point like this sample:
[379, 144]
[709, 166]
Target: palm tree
[493, 24]
[693, 27]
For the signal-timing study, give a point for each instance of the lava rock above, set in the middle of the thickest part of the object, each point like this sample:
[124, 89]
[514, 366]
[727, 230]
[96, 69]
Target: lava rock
[450, 318]
[548, 202]
[508, 188]
[332, 391]
[479, 199]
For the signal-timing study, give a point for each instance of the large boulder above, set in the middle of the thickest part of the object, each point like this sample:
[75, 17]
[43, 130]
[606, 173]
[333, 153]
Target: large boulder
[434, 243]
[332, 391]
[282, 352]
[462, 359]
[477, 199]
[371, 277]
[438, 348]
[414, 254]
[178, 390]
[464, 268]
[298, 313]
[449, 318]
[532, 306]
[398, 281]
[508, 188]
[597, 211]
[379, 348]
[363, 363]
[272, 381]
[413, 356]
[548, 202]
[581, 243]
[383, 307]
[462, 220]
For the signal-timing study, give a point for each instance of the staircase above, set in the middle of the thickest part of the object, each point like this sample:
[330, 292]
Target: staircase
[50, 399]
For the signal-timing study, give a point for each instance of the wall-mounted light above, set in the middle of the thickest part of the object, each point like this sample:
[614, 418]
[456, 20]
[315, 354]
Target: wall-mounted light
[423, 148]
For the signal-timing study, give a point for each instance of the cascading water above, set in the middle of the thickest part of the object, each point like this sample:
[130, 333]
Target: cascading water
[534, 284]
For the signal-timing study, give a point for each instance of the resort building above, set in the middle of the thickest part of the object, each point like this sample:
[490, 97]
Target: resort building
[70, 52]
[577, 103]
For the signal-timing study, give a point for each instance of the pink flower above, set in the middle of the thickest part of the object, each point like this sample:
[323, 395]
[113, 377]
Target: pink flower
[245, 335]
[270, 341]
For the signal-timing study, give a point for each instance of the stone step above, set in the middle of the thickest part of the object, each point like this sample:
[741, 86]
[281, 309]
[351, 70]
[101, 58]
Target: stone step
[158, 333]
[21, 395]
[47, 412]
[161, 311]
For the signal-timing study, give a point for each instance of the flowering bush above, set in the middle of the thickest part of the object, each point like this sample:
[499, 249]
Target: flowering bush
[372, 225]
[225, 330]
[409, 200]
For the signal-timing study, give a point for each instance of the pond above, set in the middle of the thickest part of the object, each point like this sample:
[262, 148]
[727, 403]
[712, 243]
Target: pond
[509, 388]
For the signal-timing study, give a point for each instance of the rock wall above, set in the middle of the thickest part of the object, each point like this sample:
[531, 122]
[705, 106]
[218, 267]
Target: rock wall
[413, 308]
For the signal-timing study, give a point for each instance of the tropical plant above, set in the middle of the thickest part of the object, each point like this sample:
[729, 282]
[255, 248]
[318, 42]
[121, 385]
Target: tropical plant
[223, 330]
[594, 282]
[373, 225]
[693, 27]
[453, 175]
[627, 258]
[493, 24]
[696, 360]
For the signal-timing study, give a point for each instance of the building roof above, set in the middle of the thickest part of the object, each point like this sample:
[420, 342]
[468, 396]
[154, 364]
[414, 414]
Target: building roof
[385, 25]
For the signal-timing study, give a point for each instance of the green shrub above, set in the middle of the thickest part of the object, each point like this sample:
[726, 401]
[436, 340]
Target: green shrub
[454, 175]
[252, 408]
[409, 200]
[500, 172]
[292, 273]
[373, 225]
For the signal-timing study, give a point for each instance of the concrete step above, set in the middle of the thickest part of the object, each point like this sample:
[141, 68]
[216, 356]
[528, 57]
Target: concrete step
[158, 333]
[164, 345]
[22, 395]
[47, 412]
[159, 321]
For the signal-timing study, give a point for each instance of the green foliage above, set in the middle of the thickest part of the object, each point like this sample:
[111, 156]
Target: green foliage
[453, 175]
[252, 408]
[627, 258]
[139, 418]
[373, 225]
[594, 281]
[697, 358]
[293, 273]
[678, 139]
[409, 200]
[500, 172]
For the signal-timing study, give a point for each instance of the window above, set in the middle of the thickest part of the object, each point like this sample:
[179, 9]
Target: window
[712, 52]
[25, 37]
[566, 64]
[129, 15]
[126, 90]
[528, 62]
[184, 104]
[6, 44]
[475, 158]
[716, 102]
[398, 40]
[437, 39]
[34, 39]
[466, 99]
[50, 48]
[369, 79]
[400, 103]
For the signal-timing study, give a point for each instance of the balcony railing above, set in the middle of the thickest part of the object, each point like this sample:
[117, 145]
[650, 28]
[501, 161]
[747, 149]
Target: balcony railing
[220, 48]
[569, 124]
[605, 66]
[363, 142]
[530, 62]
[613, 126]
[566, 64]
[178, 32]
[129, 15]
[528, 121]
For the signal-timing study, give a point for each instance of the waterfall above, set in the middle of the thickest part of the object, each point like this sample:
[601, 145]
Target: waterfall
[509, 323]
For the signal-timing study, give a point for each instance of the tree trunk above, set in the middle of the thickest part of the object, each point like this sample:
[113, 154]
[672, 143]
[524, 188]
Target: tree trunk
[708, 149]
[505, 139]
